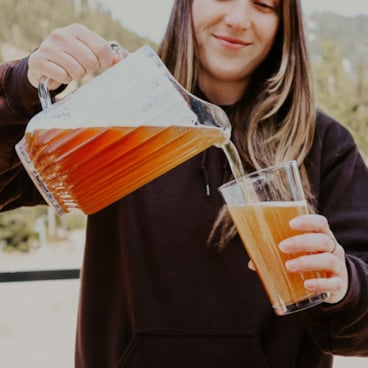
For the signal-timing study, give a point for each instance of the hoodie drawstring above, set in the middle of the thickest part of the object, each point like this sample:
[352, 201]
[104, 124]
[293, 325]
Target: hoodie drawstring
[204, 169]
[226, 172]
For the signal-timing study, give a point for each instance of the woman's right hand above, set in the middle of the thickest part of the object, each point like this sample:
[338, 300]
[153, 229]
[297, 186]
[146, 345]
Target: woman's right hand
[67, 54]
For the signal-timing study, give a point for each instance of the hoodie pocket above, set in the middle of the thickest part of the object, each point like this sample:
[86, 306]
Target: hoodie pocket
[186, 349]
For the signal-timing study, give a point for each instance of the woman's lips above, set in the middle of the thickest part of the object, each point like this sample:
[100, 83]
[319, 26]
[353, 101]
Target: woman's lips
[231, 42]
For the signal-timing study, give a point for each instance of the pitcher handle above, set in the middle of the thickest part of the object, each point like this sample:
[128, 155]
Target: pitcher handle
[43, 86]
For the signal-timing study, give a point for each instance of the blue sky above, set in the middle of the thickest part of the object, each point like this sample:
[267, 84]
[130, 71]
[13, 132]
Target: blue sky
[149, 17]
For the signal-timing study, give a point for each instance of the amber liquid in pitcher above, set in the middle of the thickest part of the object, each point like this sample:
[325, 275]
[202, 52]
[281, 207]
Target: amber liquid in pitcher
[90, 168]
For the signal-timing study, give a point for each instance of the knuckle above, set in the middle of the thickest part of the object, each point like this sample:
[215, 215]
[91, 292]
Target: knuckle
[325, 224]
[76, 27]
[57, 34]
[90, 63]
[104, 54]
[328, 243]
[330, 261]
[103, 49]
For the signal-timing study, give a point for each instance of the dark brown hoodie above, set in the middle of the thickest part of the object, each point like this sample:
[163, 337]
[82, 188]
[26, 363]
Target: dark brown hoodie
[154, 295]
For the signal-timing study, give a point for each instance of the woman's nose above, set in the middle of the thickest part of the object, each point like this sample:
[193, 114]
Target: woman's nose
[239, 15]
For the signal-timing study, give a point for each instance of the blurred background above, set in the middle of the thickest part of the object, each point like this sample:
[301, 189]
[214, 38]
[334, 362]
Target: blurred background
[40, 253]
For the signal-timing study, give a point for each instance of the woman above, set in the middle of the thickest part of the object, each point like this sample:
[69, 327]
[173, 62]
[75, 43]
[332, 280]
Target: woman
[153, 294]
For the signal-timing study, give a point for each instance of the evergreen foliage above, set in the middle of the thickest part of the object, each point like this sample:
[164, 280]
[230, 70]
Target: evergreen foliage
[26, 23]
[16, 230]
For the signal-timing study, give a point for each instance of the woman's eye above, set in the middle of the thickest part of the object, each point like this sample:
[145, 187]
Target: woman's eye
[266, 5]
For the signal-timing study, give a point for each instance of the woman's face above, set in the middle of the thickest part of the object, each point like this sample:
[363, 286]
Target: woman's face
[233, 38]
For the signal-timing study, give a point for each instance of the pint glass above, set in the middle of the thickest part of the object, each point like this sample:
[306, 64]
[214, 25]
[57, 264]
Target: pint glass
[261, 205]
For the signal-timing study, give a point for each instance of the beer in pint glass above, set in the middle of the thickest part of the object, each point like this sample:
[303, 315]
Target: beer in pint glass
[261, 205]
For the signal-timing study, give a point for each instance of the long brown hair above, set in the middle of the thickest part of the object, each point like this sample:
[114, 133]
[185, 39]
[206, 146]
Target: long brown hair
[275, 119]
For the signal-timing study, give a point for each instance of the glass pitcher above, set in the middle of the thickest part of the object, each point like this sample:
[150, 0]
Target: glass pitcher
[126, 127]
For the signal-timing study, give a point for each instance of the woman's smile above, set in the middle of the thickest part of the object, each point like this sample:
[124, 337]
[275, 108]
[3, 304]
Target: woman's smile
[230, 42]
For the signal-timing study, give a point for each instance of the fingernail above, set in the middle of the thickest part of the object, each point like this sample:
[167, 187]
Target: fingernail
[310, 285]
[285, 245]
[295, 222]
[291, 266]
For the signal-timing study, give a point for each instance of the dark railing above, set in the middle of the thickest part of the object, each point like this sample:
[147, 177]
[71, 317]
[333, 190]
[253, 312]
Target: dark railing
[39, 275]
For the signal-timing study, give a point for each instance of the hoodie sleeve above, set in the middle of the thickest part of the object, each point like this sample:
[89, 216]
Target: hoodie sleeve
[18, 103]
[341, 176]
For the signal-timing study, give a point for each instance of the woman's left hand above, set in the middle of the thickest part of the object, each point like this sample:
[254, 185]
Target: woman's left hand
[325, 255]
